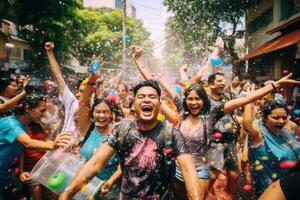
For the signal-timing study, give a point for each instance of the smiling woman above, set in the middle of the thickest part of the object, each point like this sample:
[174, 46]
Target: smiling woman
[272, 144]
[196, 106]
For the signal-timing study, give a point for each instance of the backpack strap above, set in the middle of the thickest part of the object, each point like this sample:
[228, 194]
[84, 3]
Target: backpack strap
[122, 133]
[87, 135]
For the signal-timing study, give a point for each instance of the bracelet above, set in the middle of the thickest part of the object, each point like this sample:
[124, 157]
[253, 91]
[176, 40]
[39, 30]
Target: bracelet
[274, 88]
[90, 83]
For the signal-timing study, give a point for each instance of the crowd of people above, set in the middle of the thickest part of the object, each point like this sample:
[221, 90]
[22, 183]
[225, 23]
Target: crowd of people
[206, 140]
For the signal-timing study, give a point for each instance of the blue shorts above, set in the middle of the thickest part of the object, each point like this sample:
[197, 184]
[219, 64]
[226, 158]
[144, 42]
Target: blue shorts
[203, 173]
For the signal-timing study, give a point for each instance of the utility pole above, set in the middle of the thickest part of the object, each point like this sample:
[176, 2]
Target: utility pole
[124, 35]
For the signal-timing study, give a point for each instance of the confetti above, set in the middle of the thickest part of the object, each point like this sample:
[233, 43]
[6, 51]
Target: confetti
[274, 176]
[168, 151]
[296, 112]
[259, 167]
[247, 187]
[228, 125]
[285, 72]
[218, 136]
[287, 164]
[264, 158]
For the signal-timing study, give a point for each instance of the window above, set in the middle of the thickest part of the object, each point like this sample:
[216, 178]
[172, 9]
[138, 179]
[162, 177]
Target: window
[133, 12]
[16, 53]
[118, 4]
[261, 21]
[27, 55]
[288, 8]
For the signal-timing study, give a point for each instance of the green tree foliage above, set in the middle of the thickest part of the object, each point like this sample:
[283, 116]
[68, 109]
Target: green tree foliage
[99, 32]
[196, 24]
[75, 30]
[51, 20]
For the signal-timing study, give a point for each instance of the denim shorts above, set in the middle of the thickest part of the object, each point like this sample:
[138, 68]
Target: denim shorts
[203, 173]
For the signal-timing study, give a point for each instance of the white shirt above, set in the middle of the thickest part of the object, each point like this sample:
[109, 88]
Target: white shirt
[71, 105]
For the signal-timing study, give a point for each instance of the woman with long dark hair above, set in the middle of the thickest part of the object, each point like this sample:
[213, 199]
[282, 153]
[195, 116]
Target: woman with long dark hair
[273, 148]
[193, 127]
[95, 122]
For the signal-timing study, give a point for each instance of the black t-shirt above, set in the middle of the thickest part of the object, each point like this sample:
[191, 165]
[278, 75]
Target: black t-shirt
[147, 171]
[220, 122]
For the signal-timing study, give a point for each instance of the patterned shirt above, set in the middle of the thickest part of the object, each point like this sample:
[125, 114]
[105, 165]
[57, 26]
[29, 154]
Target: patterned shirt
[146, 158]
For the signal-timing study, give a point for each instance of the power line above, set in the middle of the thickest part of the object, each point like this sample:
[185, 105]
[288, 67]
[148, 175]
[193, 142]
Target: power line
[162, 42]
[160, 37]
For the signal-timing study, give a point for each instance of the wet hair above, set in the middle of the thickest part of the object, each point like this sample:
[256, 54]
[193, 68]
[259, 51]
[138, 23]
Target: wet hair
[4, 82]
[236, 76]
[271, 105]
[213, 76]
[145, 83]
[28, 102]
[203, 96]
[112, 107]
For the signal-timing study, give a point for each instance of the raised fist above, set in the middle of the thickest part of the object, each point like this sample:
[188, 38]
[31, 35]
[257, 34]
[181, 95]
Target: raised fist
[137, 51]
[49, 46]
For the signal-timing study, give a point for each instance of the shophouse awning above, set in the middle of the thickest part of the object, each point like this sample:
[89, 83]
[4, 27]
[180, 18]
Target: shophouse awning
[275, 44]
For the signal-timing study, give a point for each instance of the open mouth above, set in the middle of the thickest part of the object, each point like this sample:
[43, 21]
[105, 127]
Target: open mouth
[100, 123]
[194, 108]
[147, 109]
[279, 127]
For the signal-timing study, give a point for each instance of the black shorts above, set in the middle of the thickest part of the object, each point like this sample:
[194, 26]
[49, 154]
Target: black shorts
[290, 186]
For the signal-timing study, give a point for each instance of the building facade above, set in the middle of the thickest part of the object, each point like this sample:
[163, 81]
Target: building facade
[21, 55]
[272, 39]
[130, 8]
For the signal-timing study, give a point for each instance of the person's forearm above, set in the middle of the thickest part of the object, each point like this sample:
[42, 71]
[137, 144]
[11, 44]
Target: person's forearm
[89, 170]
[171, 115]
[56, 71]
[84, 120]
[204, 69]
[37, 144]
[183, 75]
[216, 52]
[21, 163]
[115, 176]
[142, 69]
[11, 102]
[247, 116]
[167, 88]
[251, 97]
[87, 93]
[84, 175]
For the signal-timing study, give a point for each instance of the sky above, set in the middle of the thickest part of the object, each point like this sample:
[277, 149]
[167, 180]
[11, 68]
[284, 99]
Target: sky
[152, 13]
[154, 16]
